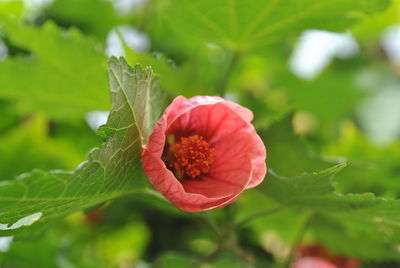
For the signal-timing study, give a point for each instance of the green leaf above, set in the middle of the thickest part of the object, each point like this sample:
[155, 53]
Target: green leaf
[103, 16]
[63, 74]
[124, 244]
[30, 146]
[368, 239]
[198, 76]
[273, 231]
[290, 156]
[172, 259]
[111, 171]
[255, 25]
[359, 214]
[28, 253]
[292, 190]
[371, 168]
[12, 7]
[9, 117]
[316, 96]
[138, 91]
[178, 260]
[370, 29]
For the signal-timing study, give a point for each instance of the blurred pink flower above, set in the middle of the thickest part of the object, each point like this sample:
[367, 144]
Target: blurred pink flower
[313, 262]
[203, 152]
[317, 252]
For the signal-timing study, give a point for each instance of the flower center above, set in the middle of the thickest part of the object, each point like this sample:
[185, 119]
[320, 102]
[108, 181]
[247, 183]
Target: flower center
[193, 156]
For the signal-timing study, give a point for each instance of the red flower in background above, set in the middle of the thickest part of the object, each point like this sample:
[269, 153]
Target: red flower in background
[313, 262]
[317, 256]
[203, 152]
[94, 217]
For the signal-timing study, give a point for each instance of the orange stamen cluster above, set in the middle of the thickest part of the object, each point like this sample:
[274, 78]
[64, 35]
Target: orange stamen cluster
[193, 156]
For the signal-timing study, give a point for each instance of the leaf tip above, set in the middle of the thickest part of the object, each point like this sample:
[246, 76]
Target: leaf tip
[117, 60]
[335, 169]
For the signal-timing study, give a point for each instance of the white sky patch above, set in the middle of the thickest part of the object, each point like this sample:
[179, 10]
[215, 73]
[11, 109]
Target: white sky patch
[25, 221]
[391, 43]
[3, 51]
[96, 118]
[33, 7]
[134, 39]
[316, 49]
[37, 3]
[125, 7]
[5, 242]
[380, 115]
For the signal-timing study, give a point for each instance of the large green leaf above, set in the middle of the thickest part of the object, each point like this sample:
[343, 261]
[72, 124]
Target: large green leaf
[365, 218]
[357, 219]
[257, 24]
[111, 171]
[63, 74]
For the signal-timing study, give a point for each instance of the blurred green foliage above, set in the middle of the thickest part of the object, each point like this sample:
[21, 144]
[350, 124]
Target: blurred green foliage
[53, 72]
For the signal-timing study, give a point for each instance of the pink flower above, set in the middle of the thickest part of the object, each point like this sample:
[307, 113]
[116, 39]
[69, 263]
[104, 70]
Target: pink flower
[313, 262]
[312, 253]
[203, 152]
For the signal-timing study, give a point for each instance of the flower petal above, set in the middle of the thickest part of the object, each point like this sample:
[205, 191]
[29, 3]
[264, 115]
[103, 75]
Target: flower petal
[258, 155]
[157, 138]
[217, 122]
[225, 180]
[180, 105]
[167, 184]
[245, 113]
[213, 122]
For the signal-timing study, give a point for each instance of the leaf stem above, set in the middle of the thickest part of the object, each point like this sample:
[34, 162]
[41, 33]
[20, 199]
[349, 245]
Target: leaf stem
[213, 225]
[221, 89]
[297, 242]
